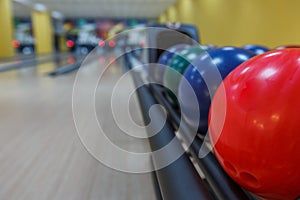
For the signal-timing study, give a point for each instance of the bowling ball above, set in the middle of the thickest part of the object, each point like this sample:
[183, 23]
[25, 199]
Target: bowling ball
[177, 66]
[213, 66]
[165, 57]
[287, 47]
[257, 139]
[257, 49]
[208, 47]
[211, 46]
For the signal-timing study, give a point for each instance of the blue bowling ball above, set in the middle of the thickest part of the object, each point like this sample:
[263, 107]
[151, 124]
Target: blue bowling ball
[257, 49]
[163, 60]
[211, 46]
[204, 75]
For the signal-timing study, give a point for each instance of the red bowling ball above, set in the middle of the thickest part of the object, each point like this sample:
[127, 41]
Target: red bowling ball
[256, 139]
[287, 46]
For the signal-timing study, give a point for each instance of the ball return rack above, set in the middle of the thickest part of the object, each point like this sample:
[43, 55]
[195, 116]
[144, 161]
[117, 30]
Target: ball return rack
[189, 177]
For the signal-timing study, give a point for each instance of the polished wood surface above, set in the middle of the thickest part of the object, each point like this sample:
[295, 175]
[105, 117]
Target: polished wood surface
[41, 155]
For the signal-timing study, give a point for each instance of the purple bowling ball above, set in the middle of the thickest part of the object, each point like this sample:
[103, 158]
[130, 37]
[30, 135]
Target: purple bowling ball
[165, 57]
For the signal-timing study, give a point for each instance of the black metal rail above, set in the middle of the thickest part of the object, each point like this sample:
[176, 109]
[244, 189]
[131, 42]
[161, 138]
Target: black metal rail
[66, 69]
[222, 185]
[179, 180]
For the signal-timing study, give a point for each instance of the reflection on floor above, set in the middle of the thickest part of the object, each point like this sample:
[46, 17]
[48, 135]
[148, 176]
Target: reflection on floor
[41, 155]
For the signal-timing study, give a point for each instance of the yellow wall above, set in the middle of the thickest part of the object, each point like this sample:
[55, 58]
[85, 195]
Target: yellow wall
[6, 29]
[186, 10]
[172, 15]
[42, 31]
[162, 18]
[62, 43]
[238, 22]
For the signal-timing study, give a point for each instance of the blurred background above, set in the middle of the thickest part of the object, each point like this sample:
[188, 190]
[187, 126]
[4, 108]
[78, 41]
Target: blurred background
[45, 43]
[47, 26]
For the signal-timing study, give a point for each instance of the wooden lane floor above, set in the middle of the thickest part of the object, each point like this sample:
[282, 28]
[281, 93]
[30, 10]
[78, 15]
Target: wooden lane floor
[41, 155]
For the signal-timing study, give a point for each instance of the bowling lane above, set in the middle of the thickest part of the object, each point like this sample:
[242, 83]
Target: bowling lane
[41, 155]
[17, 57]
[41, 65]
[20, 58]
[27, 72]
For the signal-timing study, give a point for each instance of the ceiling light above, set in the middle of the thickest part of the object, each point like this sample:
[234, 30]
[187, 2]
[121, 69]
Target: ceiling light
[57, 15]
[40, 7]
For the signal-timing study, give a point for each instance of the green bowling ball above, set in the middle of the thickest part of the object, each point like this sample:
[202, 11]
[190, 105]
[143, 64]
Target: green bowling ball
[179, 63]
